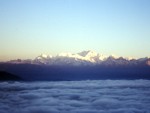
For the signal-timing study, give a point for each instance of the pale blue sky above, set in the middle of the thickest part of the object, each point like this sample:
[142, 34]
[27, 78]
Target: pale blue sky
[31, 27]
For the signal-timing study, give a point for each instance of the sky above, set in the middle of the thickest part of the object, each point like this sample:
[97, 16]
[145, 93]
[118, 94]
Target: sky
[31, 27]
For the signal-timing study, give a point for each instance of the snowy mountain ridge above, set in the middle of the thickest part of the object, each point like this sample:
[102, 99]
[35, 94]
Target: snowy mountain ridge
[84, 58]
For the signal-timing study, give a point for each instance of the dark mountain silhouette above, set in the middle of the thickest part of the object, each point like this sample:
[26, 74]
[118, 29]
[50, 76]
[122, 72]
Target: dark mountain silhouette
[32, 72]
[4, 76]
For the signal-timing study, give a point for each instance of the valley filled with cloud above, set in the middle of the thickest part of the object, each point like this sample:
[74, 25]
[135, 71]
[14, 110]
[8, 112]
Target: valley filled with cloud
[89, 96]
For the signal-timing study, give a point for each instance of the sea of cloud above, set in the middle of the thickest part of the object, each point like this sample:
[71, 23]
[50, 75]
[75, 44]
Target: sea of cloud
[96, 96]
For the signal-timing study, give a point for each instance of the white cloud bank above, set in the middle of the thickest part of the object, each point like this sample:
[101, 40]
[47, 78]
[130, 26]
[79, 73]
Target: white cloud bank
[102, 96]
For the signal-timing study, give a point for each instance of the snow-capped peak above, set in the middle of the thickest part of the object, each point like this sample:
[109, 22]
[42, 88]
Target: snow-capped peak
[102, 57]
[129, 58]
[43, 55]
[64, 55]
[88, 53]
[114, 56]
[87, 58]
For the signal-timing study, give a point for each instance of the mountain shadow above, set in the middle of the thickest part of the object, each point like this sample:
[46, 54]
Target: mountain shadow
[5, 76]
[30, 72]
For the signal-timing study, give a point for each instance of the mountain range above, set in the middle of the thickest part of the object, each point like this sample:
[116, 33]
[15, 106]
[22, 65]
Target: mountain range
[86, 65]
[84, 58]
